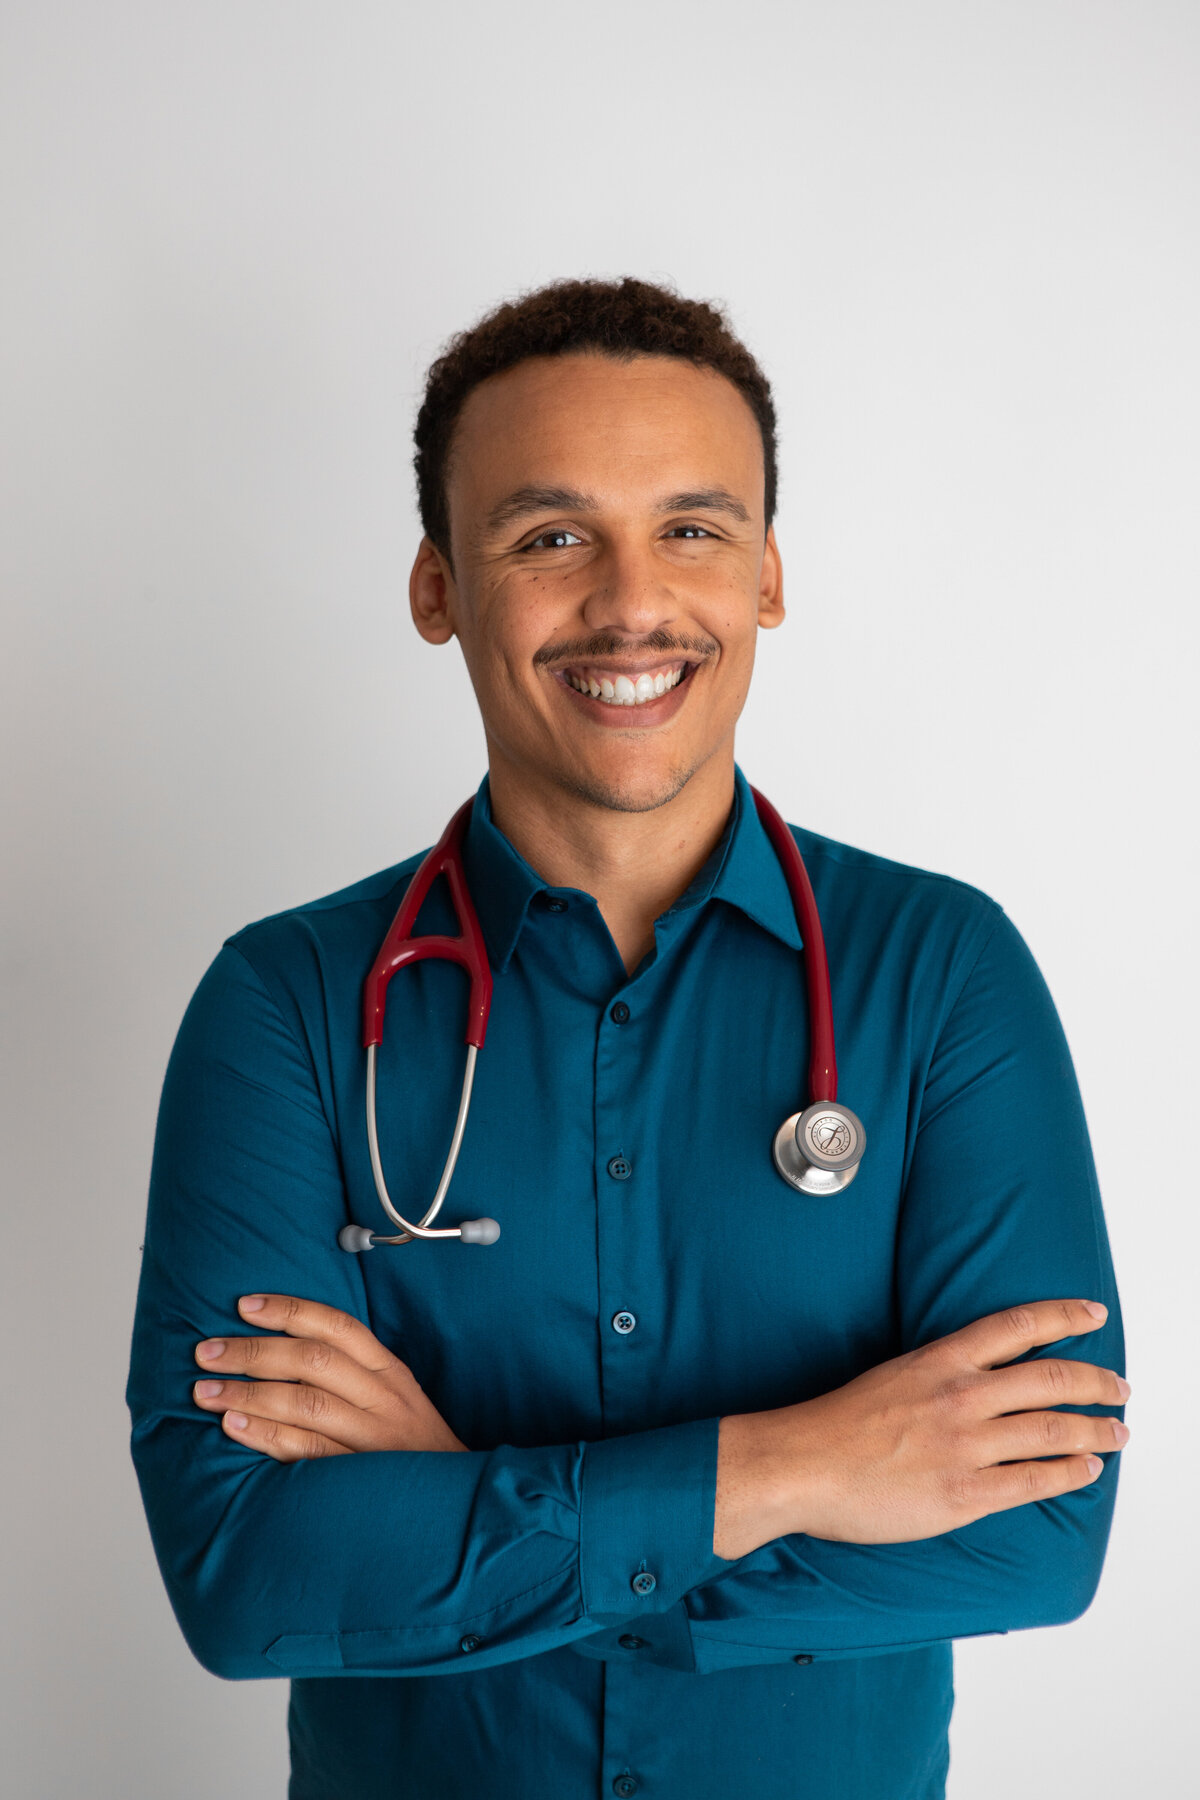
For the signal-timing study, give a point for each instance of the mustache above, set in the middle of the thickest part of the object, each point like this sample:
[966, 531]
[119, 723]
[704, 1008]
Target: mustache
[610, 643]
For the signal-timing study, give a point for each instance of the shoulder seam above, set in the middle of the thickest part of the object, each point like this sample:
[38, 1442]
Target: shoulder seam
[302, 1051]
[959, 991]
[322, 906]
[871, 865]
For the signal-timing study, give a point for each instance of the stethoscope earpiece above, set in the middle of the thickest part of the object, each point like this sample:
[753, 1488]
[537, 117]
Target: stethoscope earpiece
[355, 1238]
[818, 1151]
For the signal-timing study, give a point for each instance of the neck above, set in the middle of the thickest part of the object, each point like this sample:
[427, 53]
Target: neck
[634, 864]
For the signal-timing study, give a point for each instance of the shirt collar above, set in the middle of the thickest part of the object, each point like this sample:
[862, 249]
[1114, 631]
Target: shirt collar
[751, 876]
[743, 871]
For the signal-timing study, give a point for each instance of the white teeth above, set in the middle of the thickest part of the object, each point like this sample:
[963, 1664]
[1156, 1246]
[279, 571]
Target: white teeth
[624, 691]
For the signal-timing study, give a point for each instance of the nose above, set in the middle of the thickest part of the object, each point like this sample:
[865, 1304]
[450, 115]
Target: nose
[631, 594]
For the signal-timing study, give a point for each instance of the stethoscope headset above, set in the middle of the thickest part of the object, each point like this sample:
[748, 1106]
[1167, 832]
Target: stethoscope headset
[816, 1151]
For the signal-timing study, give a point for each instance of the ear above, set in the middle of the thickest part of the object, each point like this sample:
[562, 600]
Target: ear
[770, 587]
[431, 594]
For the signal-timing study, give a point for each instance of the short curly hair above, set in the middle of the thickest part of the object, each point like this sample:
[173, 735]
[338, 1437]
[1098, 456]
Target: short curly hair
[623, 319]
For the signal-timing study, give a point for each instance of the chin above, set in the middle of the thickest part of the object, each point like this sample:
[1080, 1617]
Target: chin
[630, 791]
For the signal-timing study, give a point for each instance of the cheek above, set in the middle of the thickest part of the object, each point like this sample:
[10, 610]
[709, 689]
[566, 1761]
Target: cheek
[517, 618]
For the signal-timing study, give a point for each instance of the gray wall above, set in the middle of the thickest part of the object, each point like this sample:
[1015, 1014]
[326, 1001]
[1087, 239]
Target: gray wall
[962, 239]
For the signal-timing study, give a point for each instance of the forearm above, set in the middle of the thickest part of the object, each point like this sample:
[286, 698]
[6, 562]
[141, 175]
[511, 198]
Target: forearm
[386, 1562]
[399, 1559]
[1036, 1565]
[985, 1224]
[940, 1494]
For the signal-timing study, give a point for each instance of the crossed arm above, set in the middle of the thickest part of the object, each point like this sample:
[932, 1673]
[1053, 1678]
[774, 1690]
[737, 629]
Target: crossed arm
[921, 1445]
[960, 1491]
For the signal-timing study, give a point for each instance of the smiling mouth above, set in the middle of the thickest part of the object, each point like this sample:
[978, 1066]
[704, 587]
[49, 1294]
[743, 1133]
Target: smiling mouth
[616, 688]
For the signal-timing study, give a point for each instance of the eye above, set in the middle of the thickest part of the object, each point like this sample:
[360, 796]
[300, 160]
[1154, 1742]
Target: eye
[556, 539]
[694, 531]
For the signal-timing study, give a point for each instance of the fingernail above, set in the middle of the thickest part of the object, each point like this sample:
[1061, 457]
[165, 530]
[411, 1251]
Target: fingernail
[1120, 1432]
[1096, 1309]
[252, 1302]
[1123, 1387]
[1093, 1462]
[208, 1390]
[211, 1349]
[236, 1421]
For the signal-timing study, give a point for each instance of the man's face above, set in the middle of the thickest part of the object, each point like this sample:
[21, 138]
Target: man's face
[610, 572]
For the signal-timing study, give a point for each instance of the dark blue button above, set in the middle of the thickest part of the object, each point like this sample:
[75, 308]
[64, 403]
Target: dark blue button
[555, 905]
[469, 1643]
[625, 1785]
[620, 1168]
[623, 1322]
[629, 1642]
[619, 1013]
[644, 1582]
[802, 1659]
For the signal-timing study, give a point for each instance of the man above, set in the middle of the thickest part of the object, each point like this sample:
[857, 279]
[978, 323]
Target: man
[684, 1486]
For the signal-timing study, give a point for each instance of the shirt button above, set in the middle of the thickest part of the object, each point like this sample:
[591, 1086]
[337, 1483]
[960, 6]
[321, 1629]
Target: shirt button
[620, 1168]
[629, 1642]
[555, 905]
[619, 1014]
[623, 1322]
[643, 1582]
[625, 1785]
[802, 1659]
[469, 1643]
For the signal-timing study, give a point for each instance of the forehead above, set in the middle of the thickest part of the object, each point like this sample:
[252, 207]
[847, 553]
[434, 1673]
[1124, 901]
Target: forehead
[607, 426]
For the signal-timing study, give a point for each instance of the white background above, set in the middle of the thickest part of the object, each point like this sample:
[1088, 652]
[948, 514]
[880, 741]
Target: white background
[962, 239]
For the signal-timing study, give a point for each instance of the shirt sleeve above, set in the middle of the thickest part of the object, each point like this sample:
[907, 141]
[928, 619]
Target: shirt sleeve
[1000, 1206]
[391, 1563]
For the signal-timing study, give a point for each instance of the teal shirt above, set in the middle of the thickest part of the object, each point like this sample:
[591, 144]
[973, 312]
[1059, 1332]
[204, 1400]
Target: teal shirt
[467, 1624]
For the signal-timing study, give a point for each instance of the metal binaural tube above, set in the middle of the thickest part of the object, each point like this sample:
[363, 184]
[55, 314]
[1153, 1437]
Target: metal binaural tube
[385, 1200]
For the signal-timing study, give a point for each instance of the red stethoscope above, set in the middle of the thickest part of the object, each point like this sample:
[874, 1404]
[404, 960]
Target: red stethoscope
[817, 1151]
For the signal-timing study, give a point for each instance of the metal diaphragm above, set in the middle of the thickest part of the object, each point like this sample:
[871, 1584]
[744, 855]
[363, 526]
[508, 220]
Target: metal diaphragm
[818, 1151]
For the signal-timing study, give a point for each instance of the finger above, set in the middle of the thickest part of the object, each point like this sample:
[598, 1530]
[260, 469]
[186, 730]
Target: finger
[293, 1359]
[999, 1489]
[1049, 1381]
[1001, 1336]
[310, 1409]
[1026, 1434]
[310, 1319]
[285, 1443]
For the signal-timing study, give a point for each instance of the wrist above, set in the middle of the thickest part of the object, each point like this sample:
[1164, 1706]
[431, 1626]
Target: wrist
[755, 1502]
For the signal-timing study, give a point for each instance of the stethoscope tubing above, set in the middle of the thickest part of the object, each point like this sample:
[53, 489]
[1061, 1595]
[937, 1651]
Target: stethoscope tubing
[822, 1061]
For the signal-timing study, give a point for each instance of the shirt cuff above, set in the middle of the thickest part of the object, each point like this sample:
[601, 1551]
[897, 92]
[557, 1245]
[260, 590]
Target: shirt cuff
[646, 1520]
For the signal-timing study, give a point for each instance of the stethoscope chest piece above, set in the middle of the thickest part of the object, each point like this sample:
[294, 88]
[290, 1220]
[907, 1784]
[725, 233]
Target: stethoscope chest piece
[818, 1151]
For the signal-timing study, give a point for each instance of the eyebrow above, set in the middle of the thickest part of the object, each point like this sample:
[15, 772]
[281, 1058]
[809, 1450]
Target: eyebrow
[706, 500]
[527, 500]
[524, 502]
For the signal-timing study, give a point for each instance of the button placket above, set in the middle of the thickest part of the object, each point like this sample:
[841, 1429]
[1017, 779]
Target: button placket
[624, 1052]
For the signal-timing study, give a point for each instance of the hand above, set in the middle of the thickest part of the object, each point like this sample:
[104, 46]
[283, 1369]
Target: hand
[925, 1443]
[326, 1388]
